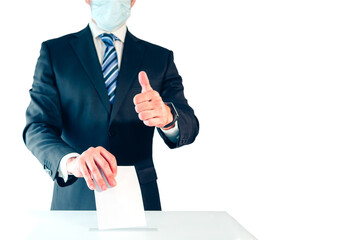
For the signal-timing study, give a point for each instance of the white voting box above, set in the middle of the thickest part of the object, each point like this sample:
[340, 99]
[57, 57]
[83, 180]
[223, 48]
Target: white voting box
[161, 225]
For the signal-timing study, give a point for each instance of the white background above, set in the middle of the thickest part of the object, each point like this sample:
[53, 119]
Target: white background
[275, 85]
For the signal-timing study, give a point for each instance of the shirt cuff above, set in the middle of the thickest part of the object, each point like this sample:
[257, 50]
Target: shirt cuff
[62, 167]
[173, 133]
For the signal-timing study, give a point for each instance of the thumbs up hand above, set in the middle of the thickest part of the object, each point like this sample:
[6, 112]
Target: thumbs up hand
[149, 105]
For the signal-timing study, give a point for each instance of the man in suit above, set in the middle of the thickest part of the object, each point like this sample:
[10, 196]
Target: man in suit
[96, 98]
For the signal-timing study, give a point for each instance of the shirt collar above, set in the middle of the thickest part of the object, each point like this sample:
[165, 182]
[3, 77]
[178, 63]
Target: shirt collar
[119, 32]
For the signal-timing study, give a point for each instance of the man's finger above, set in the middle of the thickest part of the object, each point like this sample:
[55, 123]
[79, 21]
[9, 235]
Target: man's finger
[105, 168]
[85, 173]
[146, 115]
[144, 82]
[146, 97]
[110, 159]
[96, 174]
[146, 106]
[153, 122]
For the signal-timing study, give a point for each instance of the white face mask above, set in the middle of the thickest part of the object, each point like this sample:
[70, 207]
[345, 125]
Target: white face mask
[110, 14]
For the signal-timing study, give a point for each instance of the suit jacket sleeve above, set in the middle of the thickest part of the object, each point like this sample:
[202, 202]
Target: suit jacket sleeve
[173, 91]
[42, 133]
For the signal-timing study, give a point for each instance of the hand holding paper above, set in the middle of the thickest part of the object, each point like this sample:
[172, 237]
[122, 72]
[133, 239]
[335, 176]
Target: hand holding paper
[89, 164]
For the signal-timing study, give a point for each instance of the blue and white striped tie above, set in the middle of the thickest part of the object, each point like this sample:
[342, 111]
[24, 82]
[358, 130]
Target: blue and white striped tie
[110, 66]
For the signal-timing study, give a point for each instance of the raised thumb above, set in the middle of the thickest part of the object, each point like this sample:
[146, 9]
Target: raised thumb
[144, 82]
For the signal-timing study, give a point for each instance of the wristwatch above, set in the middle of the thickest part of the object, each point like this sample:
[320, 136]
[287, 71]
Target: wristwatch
[173, 112]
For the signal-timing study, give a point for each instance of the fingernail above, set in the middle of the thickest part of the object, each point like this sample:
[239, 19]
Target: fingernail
[113, 183]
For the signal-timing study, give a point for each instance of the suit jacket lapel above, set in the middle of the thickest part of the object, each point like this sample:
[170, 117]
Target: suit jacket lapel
[129, 69]
[84, 47]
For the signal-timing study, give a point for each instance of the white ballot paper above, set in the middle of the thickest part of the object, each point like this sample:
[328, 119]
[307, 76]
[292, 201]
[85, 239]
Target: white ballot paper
[120, 206]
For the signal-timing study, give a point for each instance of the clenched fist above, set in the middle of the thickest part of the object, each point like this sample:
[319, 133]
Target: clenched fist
[150, 107]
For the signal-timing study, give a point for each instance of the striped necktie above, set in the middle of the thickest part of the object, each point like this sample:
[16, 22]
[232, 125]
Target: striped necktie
[110, 66]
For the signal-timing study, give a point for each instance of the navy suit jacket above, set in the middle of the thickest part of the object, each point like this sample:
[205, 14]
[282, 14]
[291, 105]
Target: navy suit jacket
[70, 112]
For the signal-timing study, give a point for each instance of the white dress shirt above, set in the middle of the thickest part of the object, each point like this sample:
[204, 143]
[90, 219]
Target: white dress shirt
[120, 33]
